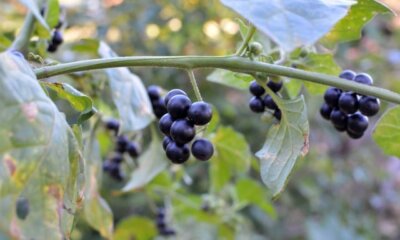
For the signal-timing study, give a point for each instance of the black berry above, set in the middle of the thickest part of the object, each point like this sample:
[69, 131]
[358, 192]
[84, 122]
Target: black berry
[112, 124]
[177, 154]
[167, 140]
[122, 142]
[159, 107]
[325, 111]
[278, 114]
[133, 149]
[182, 131]
[200, 113]
[357, 123]
[269, 102]
[154, 92]
[57, 38]
[256, 105]
[338, 118]
[52, 48]
[341, 128]
[363, 78]
[331, 96]
[275, 86]
[348, 102]
[173, 93]
[115, 172]
[355, 135]
[347, 74]
[202, 149]
[256, 89]
[178, 106]
[117, 158]
[369, 106]
[165, 124]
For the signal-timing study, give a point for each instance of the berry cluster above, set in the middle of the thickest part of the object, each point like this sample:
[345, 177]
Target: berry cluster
[349, 111]
[178, 126]
[157, 102]
[123, 145]
[260, 100]
[56, 37]
[162, 227]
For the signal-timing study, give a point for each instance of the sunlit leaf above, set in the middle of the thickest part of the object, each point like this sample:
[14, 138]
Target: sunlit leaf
[387, 132]
[87, 45]
[138, 228]
[231, 79]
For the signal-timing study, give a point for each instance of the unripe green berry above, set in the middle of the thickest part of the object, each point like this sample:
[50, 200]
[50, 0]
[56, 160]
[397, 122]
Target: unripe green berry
[255, 48]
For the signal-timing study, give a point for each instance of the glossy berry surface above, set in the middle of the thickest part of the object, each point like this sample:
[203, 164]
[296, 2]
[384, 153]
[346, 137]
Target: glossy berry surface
[122, 142]
[182, 131]
[154, 92]
[269, 102]
[363, 78]
[348, 74]
[332, 96]
[338, 118]
[256, 89]
[275, 86]
[165, 124]
[115, 172]
[173, 93]
[178, 106]
[369, 106]
[167, 140]
[133, 149]
[52, 48]
[200, 113]
[177, 154]
[112, 125]
[202, 149]
[159, 107]
[57, 38]
[256, 105]
[278, 114]
[325, 111]
[355, 135]
[357, 123]
[348, 102]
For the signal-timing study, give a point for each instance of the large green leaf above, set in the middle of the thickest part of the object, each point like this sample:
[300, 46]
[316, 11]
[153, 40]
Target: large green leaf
[138, 228]
[129, 96]
[285, 142]
[387, 132]
[292, 23]
[34, 8]
[349, 28]
[39, 157]
[151, 163]
[79, 101]
[231, 79]
[232, 157]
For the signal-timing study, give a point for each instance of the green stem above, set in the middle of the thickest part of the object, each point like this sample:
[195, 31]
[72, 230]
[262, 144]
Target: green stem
[232, 63]
[194, 84]
[22, 40]
[246, 40]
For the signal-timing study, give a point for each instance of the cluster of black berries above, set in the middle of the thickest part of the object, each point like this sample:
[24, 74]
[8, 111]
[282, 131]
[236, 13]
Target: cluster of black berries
[259, 102]
[122, 145]
[162, 227]
[349, 111]
[157, 102]
[178, 126]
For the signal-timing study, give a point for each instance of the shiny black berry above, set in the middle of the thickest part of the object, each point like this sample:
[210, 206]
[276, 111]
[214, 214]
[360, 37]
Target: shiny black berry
[115, 172]
[355, 135]
[159, 107]
[52, 48]
[173, 93]
[357, 123]
[340, 128]
[182, 131]
[176, 153]
[165, 124]
[256, 89]
[278, 114]
[202, 149]
[332, 96]
[154, 92]
[113, 125]
[347, 74]
[369, 106]
[200, 113]
[348, 102]
[325, 111]
[363, 78]
[167, 140]
[269, 102]
[338, 118]
[57, 38]
[178, 106]
[275, 86]
[133, 149]
[122, 143]
[117, 158]
[256, 105]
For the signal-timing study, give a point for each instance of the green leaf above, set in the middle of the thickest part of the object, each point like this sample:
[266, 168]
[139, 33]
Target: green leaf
[386, 133]
[138, 228]
[39, 157]
[96, 210]
[231, 158]
[152, 162]
[34, 8]
[52, 15]
[292, 23]
[129, 96]
[231, 79]
[88, 45]
[349, 28]
[79, 101]
[285, 142]
[251, 192]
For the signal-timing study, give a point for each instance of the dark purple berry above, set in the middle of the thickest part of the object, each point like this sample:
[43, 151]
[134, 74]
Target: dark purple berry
[167, 140]
[338, 118]
[269, 102]
[122, 143]
[161, 225]
[278, 114]
[173, 93]
[165, 124]
[117, 158]
[182, 131]
[133, 149]
[256, 105]
[355, 135]
[363, 78]
[332, 96]
[256, 89]
[154, 92]
[202, 149]
[275, 86]
[200, 113]
[107, 166]
[159, 108]
[369, 106]
[112, 124]
[348, 102]
[357, 123]
[325, 111]
[115, 172]
[57, 38]
[177, 154]
[340, 128]
[178, 106]
[347, 74]
[52, 48]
